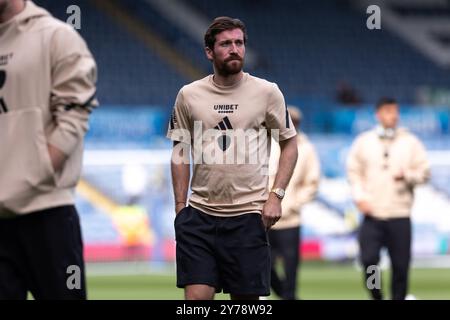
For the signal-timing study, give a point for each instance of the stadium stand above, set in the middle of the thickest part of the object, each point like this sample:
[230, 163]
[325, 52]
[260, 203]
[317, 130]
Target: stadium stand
[144, 59]
[303, 63]
[307, 63]
[130, 72]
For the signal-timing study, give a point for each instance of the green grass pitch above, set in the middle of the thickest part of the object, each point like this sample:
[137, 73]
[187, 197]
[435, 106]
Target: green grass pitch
[318, 281]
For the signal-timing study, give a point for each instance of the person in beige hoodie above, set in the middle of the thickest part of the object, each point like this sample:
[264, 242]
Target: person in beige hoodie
[47, 91]
[383, 166]
[285, 235]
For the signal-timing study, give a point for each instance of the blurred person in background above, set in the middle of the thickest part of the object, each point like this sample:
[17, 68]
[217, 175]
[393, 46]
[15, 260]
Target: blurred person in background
[131, 218]
[285, 235]
[383, 167]
[221, 235]
[47, 92]
[134, 182]
[346, 94]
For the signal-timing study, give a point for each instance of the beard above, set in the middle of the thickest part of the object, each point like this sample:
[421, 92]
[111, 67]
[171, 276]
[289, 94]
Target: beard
[230, 66]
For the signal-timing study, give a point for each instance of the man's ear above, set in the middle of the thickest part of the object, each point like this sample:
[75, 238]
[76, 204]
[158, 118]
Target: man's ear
[209, 53]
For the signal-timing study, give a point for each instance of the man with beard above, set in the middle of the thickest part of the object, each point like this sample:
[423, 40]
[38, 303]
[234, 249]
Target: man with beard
[221, 235]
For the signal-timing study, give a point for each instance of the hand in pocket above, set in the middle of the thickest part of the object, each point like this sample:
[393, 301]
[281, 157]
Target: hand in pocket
[57, 158]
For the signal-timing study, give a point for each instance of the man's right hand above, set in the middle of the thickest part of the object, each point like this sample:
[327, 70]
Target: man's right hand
[364, 207]
[179, 206]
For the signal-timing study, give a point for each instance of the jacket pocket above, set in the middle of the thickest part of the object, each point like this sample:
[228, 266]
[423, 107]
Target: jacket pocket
[71, 170]
[25, 164]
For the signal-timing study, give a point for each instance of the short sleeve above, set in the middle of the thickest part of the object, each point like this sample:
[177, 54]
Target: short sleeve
[277, 115]
[180, 127]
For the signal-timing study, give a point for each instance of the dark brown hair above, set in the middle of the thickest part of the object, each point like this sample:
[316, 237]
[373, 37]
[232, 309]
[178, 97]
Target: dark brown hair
[221, 24]
[383, 101]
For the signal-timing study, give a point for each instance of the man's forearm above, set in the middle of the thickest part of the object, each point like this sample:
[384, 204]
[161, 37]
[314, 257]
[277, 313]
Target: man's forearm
[288, 158]
[180, 181]
[286, 165]
[180, 168]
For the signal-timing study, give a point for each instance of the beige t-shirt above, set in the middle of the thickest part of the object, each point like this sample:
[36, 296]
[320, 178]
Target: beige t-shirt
[229, 130]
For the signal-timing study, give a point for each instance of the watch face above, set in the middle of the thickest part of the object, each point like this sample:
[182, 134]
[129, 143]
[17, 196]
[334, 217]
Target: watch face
[279, 192]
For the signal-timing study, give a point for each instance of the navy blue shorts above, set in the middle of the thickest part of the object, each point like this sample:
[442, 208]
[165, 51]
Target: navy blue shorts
[228, 253]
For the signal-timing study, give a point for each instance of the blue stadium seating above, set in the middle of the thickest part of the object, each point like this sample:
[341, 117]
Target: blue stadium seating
[308, 51]
[129, 72]
[316, 44]
[177, 37]
[96, 226]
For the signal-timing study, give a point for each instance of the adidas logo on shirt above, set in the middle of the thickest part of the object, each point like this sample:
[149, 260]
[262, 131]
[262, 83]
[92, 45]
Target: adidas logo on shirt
[224, 124]
[224, 140]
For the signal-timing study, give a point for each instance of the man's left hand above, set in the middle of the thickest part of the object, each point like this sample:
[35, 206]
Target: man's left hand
[271, 211]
